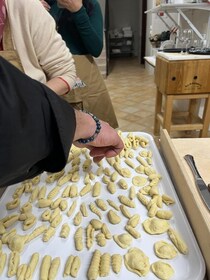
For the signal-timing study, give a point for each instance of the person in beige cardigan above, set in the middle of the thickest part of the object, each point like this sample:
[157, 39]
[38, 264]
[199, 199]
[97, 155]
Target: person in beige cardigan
[29, 33]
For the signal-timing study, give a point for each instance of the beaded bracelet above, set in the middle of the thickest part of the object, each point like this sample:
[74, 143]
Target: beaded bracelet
[98, 128]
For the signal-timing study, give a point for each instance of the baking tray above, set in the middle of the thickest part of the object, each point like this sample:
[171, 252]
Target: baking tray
[186, 267]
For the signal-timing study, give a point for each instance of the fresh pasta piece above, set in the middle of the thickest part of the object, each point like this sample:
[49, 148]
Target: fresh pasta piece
[101, 204]
[46, 215]
[7, 235]
[44, 202]
[65, 230]
[104, 267]
[99, 171]
[77, 218]
[72, 208]
[134, 220]
[113, 217]
[113, 204]
[96, 224]
[95, 210]
[34, 194]
[152, 210]
[164, 214]
[123, 184]
[35, 180]
[125, 172]
[139, 181]
[55, 213]
[56, 221]
[42, 192]
[10, 220]
[31, 266]
[165, 250]
[64, 179]
[178, 241]
[116, 262]
[68, 264]
[21, 271]
[132, 192]
[86, 189]
[28, 186]
[105, 179]
[18, 192]
[96, 190]
[29, 222]
[3, 260]
[66, 191]
[142, 198]
[25, 208]
[111, 187]
[155, 226]
[93, 270]
[114, 176]
[89, 236]
[13, 204]
[53, 270]
[45, 267]
[17, 242]
[14, 260]
[78, 239]
[126, 201]
[48, 234]
[133, 231]
[125, 211]
[101, 239]
[130, 163]
[83, 210]
[106, 231]
[167, 199]
[53, 193]
[52, 177]
[2, 228]
[87, 164]
[55, 204]
[75, 266]
[137, 262]
[63, 205]
[73, 191]
[162, 270]
[124, 240]
[36, 232]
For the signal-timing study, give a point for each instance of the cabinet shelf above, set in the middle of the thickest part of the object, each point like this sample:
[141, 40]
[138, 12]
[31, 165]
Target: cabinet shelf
[180, 9]
[174, 8]
[121, 46]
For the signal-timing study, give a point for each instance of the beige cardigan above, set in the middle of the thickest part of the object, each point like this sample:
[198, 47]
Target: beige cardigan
[43, 53]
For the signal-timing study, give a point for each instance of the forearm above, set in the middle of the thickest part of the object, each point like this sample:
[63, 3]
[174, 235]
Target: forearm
[85, 125]
[58, 85]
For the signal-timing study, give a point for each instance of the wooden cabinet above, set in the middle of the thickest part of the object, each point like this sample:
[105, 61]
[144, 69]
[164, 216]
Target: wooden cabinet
[182, 76]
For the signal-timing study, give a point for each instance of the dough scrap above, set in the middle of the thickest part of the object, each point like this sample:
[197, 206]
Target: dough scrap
[136, 261]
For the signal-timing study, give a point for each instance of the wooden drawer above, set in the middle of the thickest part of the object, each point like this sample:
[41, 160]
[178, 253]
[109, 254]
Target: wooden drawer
[182, 76]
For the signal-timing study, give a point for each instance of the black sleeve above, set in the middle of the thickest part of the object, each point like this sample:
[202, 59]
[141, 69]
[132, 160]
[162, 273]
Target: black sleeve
[36, 127]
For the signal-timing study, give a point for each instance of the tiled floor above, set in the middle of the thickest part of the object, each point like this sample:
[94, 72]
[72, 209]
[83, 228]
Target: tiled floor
[132, 91]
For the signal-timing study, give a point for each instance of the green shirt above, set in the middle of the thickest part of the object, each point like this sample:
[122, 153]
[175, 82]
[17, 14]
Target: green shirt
[82, 31]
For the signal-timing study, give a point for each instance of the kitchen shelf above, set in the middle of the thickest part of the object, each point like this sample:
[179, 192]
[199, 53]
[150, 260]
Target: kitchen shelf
[180, 9]
[120, 46]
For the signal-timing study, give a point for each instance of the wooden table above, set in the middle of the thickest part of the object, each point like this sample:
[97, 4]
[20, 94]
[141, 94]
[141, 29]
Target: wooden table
[182, 78]
[197, 213]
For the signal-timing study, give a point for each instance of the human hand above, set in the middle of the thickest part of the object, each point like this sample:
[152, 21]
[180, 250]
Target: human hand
[107, 143]
[45, 5]
[71, 5]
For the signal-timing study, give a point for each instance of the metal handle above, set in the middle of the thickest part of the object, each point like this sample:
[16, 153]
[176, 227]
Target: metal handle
[190, 160]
